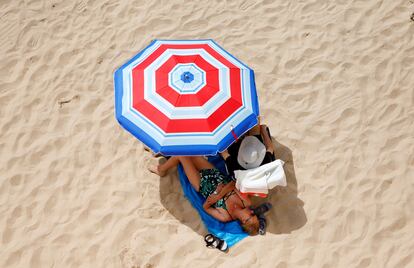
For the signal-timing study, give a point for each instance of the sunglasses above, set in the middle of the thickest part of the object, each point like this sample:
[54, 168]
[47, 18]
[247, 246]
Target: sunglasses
[248, 219]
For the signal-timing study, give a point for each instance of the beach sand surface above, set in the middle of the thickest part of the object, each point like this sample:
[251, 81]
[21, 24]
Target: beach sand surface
[335, 82]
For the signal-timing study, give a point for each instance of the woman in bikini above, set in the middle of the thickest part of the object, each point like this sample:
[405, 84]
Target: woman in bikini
[223, 201]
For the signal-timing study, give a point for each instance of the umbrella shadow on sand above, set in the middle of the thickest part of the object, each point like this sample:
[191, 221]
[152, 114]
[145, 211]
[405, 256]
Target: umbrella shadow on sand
[286, 215]
[173, 199]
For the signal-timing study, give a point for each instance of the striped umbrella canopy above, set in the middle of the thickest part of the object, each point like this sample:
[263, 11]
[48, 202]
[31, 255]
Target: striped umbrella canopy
[185, 97]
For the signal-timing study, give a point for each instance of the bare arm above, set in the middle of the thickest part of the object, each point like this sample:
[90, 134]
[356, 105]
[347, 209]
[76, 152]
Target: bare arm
[222, 191]
[266, 139]
[218, 214]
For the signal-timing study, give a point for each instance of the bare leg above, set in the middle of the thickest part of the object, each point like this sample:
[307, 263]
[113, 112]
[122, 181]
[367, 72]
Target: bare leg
[201, 163]
[255, 130]
[192, 172]
[190, 168]
[163, 168]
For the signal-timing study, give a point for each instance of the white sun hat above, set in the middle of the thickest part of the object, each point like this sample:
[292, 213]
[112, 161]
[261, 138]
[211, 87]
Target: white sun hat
[251, 152]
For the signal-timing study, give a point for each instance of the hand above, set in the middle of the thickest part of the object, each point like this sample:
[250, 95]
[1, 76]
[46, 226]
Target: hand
[219, 188]
[225, 154]
[267, 140]
[227, 188]
[209, 202]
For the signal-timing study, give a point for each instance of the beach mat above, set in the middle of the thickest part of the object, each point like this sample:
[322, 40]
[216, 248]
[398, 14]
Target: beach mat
[231, 232]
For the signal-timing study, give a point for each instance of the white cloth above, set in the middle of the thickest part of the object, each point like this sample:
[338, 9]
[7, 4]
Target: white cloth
[261, 179]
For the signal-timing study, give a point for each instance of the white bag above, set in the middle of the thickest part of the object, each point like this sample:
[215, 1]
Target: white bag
[261, 179]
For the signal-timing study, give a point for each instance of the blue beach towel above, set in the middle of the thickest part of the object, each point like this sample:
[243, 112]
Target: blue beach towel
[231, 232]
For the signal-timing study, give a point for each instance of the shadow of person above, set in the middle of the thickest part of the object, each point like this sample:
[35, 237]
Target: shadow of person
[287, 213]
[173, 199]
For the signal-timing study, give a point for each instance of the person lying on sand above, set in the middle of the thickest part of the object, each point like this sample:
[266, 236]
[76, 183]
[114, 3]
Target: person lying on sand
[223, 201]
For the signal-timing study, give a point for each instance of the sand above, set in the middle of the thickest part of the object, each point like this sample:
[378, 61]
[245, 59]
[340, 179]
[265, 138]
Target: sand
[336, 87]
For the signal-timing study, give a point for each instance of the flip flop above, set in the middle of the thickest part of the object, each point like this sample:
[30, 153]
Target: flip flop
[215, 242]
[262, 225]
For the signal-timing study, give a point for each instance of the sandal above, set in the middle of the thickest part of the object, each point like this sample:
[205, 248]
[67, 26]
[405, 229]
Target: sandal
[215, 242]
[262, 225]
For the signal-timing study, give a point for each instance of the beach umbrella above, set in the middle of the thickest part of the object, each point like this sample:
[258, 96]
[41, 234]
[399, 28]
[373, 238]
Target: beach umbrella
[185, 97]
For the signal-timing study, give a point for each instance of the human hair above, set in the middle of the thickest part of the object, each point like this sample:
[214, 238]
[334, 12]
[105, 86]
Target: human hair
[251, 226]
